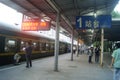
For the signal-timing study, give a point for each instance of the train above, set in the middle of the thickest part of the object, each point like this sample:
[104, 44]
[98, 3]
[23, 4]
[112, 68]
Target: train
[13, 41]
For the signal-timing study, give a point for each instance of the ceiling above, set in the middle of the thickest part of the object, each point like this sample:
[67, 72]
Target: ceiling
[68, 9]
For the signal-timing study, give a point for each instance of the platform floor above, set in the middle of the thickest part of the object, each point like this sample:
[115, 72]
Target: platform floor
[43, 69]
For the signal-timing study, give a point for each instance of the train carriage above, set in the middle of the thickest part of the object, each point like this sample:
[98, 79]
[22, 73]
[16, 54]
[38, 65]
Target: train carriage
[13, 41]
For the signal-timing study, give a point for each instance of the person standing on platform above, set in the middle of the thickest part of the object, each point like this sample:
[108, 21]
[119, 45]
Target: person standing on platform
[97, 54]
[90, 53]
[28, 52]
[74, 49]
[116, 62]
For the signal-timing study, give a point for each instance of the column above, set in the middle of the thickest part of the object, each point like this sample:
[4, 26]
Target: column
[57, 43]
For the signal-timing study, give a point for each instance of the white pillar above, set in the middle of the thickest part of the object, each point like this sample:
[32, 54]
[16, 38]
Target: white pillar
[102, 47]
[72, 45]
[57, 43]
[78, 46]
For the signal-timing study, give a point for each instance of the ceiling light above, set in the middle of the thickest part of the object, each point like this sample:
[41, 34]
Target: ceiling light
[95, 15]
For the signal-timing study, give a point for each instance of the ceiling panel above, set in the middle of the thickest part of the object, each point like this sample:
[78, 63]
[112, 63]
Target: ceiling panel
[68, 8]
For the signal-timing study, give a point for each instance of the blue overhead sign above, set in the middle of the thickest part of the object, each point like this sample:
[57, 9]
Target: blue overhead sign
[90, 22]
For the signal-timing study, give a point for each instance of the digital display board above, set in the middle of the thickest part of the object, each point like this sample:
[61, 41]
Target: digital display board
[29, 24]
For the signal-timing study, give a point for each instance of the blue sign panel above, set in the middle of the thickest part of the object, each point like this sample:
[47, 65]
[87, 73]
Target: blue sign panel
[90, 22]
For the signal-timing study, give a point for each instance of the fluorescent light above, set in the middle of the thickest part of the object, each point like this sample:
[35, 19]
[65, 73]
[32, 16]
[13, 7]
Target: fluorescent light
[95, 15]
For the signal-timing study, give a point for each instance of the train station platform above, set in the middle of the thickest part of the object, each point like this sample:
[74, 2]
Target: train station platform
[43, 69]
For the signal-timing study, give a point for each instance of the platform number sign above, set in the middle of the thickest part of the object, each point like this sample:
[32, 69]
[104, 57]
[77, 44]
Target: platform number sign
[90, 22]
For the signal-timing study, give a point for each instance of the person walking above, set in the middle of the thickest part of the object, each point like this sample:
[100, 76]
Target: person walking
[116, 62]
[28, 52]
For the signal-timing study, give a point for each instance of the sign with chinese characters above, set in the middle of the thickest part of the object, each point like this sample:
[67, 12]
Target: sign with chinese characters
[30, 24]
[90, 22]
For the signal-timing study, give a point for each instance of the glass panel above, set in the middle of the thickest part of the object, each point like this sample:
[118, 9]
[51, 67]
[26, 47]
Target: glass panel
[10, 45]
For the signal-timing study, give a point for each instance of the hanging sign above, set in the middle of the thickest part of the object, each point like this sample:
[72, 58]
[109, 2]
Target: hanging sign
[90, 22]
[30, 24]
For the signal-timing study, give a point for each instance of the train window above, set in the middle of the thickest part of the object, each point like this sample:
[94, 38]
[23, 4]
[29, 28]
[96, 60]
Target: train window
[47, 46]
[22, 42]
[10, 45]
[22, 45]
[11, 42]
[34, 44]
[40, 46]
[52, 46]
[43, 46]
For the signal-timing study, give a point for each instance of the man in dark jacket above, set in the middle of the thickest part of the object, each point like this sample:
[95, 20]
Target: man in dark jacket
[28, 51]
[97, 54]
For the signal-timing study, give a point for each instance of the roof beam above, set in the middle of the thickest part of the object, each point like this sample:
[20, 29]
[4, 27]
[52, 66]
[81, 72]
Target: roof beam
[28, 10]
[57, 9]
[88, 9]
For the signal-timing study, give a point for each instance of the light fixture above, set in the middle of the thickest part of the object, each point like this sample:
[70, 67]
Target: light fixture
[95, 14]
[42, 20]
[95, 8]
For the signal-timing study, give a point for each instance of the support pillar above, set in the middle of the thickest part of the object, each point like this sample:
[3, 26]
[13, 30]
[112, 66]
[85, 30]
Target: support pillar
[72, 45]
[57, 42]
[77, 46]
[102, 47]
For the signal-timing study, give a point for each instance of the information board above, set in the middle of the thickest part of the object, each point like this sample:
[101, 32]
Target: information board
[30, 24]
[90, 22]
